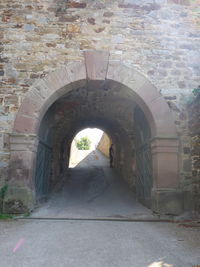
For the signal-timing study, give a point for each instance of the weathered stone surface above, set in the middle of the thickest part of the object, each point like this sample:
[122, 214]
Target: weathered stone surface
[100, 29]
[25, 124]
[158, 38]
[167, 202]
[165, 162]
[194, 123]
[65, 18]
[180, 2]
[74, 4]
[72, 28]
[96, 64]
[91, 21]
[108, 14]
[18, 201]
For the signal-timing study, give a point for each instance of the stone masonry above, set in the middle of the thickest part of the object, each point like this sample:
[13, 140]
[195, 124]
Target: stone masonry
[104, 145]
[194, 112]
[158, 38]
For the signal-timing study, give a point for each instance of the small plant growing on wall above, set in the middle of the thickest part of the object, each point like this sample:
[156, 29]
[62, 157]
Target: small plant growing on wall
[196, 91]
[83, 143]
[3, 191]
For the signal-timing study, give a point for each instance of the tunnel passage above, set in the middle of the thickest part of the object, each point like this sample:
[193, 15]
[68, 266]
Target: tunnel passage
[111, 109]
[94, 92]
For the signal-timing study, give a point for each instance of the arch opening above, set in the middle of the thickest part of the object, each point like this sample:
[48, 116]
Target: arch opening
[107, 97]
[81, 108]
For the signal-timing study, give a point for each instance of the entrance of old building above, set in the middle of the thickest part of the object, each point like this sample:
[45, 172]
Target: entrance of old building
[90, 188]
[94, 107]
[96, 92]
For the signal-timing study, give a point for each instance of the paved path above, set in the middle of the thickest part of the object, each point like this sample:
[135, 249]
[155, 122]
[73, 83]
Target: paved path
[93, 190]
[97, 244]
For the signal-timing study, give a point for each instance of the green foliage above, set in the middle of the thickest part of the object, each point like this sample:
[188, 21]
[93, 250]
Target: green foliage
[83, 144]
[3, 191]
[196, 91]
[5, 216]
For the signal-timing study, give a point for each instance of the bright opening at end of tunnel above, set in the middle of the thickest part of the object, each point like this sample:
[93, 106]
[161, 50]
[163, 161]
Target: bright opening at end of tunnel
[93, 134]
[80, 153]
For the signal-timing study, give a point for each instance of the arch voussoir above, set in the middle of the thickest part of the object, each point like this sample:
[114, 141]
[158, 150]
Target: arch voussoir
[77, 75]
[31, 105]
[148, 96]
[25, 124]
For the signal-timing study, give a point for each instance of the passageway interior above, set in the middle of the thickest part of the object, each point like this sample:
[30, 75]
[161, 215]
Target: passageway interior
[112, 108]
[92, 190]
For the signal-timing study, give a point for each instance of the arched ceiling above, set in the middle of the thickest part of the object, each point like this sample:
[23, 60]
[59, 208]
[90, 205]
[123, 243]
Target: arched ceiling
[110, 108]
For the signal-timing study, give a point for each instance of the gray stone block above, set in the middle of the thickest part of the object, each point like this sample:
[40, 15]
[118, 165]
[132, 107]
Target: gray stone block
[168, 202]
[18, 200]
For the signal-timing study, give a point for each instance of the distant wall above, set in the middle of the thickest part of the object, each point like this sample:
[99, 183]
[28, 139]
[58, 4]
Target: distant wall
[104, 145]
[76, 156]
[73, 154]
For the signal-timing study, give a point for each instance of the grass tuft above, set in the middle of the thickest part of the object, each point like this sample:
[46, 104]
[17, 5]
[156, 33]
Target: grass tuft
[5, 216]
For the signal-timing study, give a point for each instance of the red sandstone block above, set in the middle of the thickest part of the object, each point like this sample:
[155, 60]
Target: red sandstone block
[74, 4]
[31, 105]
[25, 124]
[76, 73]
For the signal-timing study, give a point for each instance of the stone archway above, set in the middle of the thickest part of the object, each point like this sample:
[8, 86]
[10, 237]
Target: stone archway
[95, 70]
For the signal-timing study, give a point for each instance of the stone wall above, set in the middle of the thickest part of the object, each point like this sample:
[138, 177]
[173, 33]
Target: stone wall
[194, 111]
[77, 156]
[159, 38]
[104, 145]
